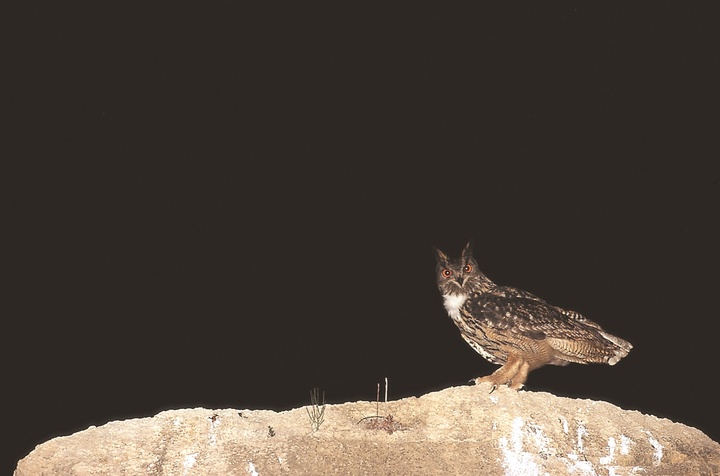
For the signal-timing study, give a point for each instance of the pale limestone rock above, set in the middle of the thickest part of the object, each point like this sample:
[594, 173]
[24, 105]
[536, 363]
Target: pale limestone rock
[461, 430]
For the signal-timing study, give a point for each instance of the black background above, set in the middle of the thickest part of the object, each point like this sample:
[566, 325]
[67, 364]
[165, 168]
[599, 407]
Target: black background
[223, 204]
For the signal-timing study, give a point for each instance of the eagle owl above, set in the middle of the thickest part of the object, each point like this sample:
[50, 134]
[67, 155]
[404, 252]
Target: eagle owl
[517, 329]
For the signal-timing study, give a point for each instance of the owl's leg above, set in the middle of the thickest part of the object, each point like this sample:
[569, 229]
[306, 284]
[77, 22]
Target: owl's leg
[505, 374]
[518, 380]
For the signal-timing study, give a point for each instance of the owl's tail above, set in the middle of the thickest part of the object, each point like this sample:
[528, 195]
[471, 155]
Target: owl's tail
[621, 347]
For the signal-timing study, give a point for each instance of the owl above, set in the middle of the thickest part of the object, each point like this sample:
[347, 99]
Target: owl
[516, 329]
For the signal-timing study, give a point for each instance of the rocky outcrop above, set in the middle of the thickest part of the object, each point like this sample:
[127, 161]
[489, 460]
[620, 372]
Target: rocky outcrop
[462, 430]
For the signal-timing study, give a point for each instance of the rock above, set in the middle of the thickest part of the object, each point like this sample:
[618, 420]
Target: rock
[461, 430]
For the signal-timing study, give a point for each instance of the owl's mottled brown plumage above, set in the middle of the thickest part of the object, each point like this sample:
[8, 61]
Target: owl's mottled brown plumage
[515, 328]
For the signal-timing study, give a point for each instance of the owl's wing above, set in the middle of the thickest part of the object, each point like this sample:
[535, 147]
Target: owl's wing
[533, 318]
[520, 318]
[510, 292]
[507, 291]
[576, 316]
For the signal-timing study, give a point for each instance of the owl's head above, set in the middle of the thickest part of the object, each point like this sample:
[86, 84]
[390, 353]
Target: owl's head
[460, 276]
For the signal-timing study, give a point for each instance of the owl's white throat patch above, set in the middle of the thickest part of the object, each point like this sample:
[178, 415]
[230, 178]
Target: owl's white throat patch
[453, 303]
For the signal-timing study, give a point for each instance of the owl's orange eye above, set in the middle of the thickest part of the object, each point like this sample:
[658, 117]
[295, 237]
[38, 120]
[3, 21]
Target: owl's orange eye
[446, 273]
[467, 268]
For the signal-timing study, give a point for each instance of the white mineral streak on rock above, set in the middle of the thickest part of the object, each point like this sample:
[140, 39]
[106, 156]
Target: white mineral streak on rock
[576, 461]
[189, 462]
[579, 466]
[624, 445]
[543, 444]
[564, 422]
[658, 454]
[581, 431]
[516, 461]
[212, 435]
[611, 452]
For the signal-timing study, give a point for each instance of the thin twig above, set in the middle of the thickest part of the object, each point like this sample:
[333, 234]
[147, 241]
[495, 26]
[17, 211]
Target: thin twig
[377, 401]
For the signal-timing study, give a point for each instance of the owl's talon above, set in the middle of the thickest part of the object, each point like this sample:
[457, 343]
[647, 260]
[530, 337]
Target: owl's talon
[492, 389]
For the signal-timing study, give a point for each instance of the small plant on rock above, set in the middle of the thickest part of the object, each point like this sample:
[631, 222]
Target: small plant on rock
[378, 422]
[316, 410]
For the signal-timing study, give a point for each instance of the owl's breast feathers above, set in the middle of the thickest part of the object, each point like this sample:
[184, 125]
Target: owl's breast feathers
[508, 320]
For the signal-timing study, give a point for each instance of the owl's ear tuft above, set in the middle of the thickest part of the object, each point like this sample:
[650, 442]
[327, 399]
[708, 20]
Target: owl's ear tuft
[467, 252]
[441, 257]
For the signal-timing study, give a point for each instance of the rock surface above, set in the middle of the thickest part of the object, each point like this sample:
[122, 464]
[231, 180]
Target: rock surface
[461, 430]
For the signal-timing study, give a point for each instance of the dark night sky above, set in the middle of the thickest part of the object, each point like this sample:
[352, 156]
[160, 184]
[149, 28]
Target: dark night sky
[225, 205]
